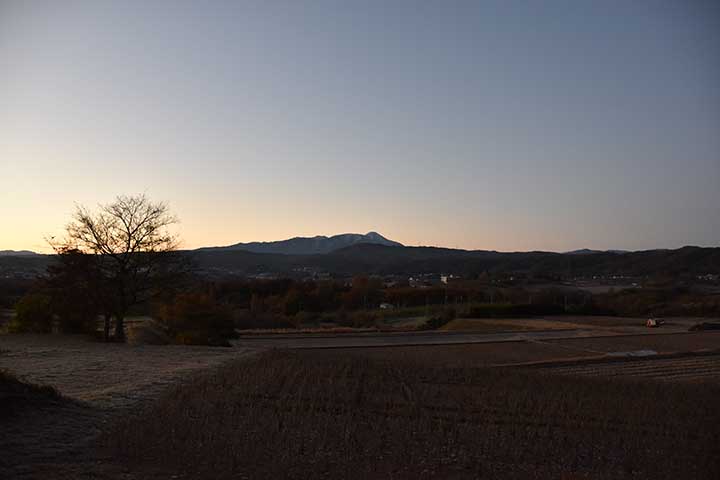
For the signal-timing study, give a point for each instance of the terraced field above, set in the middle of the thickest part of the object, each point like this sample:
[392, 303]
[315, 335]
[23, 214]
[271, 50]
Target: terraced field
[694, 368]
[659, 342]
[482, 410]
[325, 414]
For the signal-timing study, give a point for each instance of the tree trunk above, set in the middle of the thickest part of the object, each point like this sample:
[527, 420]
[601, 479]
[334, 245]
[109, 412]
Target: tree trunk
[120, 328]
[106, 326]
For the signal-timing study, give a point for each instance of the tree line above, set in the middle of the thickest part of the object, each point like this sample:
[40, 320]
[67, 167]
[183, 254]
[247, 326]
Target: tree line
[122, 259]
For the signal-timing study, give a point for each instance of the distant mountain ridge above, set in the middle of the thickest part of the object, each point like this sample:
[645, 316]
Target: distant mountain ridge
[369, 259]
[588, 251]
[309, 245]
[17, 253]
[373, 259]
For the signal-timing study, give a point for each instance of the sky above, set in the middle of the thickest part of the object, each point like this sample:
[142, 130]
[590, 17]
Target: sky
[500, 125]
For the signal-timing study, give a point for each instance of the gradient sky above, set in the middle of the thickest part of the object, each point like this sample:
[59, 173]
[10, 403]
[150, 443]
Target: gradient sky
[502, 125]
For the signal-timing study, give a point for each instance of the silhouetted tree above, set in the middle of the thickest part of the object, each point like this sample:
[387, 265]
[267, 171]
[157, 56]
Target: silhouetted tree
[78, 291]
[125, 250]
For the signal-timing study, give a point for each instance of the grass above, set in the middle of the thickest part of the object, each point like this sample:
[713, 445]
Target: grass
[324, 329]
[600, 320]
[329, 415]
[485, 325]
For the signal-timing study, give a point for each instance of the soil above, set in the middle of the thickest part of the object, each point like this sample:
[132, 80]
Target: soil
[698, 368]
[681, 342]
[98, 383]
[101, 383]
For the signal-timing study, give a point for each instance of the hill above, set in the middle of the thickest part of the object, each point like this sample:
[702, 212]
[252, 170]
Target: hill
[364, 258]
[16, 253]
[309, 245]
[380, 259]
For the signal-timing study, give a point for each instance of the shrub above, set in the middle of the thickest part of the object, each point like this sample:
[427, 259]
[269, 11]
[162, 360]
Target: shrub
[341, 317]
[361, 319]
[342, 320]
[33, 313]
[198, 319]
[437, 321]
[304, 318]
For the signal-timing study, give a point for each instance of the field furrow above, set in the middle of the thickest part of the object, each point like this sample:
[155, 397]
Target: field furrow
[667, 369]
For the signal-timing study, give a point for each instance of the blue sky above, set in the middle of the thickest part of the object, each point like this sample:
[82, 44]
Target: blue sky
[501, 125]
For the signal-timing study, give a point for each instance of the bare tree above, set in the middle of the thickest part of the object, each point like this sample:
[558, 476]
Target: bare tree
[132, 247]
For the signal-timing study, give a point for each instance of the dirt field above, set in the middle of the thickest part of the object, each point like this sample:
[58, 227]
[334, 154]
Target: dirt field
[601, 324]
[467, 355]
[667, 343]
[694, 369]
[324, 414]
[101, 382]
[629, 324]
[107, 383]
[105, 375]
[537, 351]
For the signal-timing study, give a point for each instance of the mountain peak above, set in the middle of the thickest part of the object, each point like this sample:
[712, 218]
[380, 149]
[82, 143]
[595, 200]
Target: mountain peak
[318, 244]
[588, 251]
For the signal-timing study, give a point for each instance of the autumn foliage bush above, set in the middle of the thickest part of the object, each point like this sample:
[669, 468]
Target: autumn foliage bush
[440, 320]
[33, 314]
[197, 319]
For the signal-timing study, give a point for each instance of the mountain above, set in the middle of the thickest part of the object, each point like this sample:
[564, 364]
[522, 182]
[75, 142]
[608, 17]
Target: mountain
[16, 253]
[309, 245]
[587, 251]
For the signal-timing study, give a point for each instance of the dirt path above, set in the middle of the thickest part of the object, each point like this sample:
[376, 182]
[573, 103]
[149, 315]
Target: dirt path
[99, 382]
